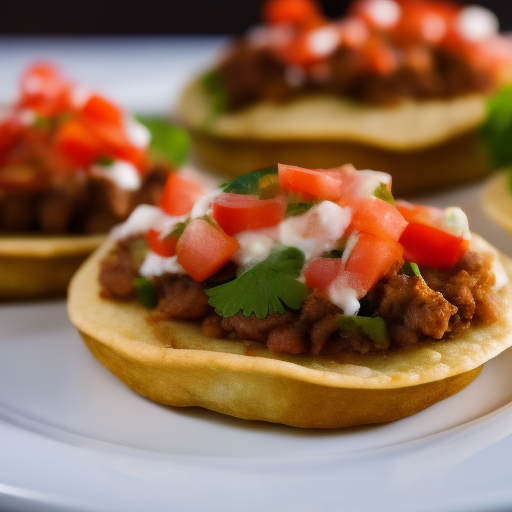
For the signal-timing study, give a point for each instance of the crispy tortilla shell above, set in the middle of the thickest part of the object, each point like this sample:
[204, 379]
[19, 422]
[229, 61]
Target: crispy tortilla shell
[173, 363]
[459, 160]
[497, 200]
[424, 145]
[409, 126]
[41, 266]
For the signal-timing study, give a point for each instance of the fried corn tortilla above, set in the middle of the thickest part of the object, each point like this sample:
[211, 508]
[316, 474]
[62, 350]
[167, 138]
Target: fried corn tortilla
[409, 126]
[39, 266]
[497, 200]
[174, 363]
[424, 145]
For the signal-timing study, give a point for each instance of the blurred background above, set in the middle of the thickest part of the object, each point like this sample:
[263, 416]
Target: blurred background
[117, 17]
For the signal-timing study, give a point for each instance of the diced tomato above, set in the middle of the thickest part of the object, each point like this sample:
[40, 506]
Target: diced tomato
[377, 217]
[311, 184]
[432, 247]
[290, 11]
[98, 109]
[369, 260]
[78, 143]
[165, 247]
[425, 21]
[203, 249]
[378, 57]
[240, 212]
[420, 214]
[10, 130]
[44, 90]
[179, 195]
[321, 272]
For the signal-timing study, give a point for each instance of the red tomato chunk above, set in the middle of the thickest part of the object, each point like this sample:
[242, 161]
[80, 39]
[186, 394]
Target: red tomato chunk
[203, 249]
[165, 247]
[311, 184]
[379, 218]
[369, 260]
[179, 195]
[321, 272]
[432, 247]
[239, 212]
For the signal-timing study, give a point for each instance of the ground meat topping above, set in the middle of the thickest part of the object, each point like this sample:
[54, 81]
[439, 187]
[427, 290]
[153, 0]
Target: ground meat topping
[181, 297]
[79, 204]
[253, 74]
[438, 305]
[412, 310]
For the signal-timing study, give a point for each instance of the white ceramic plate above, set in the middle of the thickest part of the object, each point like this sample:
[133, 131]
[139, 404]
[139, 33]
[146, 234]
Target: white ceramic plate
[74, 438]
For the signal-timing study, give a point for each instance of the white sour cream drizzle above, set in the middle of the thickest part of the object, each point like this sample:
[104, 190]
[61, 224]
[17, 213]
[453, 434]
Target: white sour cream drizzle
[255, 246]
[124, 174]
[316, 231]
[476, 23]
[456, 222]
[369, 181]
[204, 205]
[344, 297]
[138, 223]
[137, 133]
[155, 265]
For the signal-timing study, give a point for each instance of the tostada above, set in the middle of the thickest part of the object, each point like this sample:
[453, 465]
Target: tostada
[296, 296]
[72, 165]
[396, 85]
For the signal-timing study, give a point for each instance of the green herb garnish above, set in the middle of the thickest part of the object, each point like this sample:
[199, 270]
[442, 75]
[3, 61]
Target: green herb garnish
[169, 144]
[248, 183]
[298, 208]
[374, 327]
[268, 287]
[382, 192]
[104, 161]
[213, 83]
[411, 269]
[179, 228]
[146, 292]
[496, 130]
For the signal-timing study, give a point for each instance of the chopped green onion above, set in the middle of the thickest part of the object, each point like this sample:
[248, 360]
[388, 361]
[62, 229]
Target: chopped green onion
[411, 269]
[146, 292]
[375, 328]
[382, 192]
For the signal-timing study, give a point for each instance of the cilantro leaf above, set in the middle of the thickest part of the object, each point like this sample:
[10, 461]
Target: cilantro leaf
[267, 287]
[179, 228]
[169, 144]
[248, 183]
[496, 130]
[213, 83]
[374, 327]
[146, 292]
[298, 208]
[382, 192]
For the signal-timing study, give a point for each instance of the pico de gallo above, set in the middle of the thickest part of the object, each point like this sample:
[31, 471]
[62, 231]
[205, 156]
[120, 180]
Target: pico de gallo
[305, 261]
[73, 161]
[381, 52]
